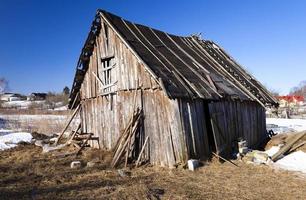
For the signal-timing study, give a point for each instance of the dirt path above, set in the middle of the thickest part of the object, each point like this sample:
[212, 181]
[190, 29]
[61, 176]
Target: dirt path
[25, 173]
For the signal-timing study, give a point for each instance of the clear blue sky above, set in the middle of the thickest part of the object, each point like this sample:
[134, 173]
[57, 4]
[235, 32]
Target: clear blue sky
[40, 40]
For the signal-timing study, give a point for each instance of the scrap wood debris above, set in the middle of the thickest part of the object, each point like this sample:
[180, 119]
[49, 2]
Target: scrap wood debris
[284, 155]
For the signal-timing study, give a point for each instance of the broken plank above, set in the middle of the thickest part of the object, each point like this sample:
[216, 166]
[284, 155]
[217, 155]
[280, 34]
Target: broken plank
[287, 147]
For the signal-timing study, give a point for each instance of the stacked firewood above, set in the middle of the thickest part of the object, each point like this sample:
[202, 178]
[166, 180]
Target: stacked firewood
[126, 142]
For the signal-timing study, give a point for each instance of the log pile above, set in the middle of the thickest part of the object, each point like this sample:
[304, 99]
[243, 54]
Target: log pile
[126, 142]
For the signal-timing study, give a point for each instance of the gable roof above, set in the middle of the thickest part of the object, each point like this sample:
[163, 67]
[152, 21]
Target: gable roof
[186, 66]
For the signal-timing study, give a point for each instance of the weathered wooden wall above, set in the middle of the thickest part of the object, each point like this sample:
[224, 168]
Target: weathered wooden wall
[107, 117]
[194, 130]
[236, 119]
[115, 65]
[177, 128]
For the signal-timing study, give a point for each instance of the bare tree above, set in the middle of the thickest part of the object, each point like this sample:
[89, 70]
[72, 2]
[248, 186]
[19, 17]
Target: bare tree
[299, 90]
[3, 85]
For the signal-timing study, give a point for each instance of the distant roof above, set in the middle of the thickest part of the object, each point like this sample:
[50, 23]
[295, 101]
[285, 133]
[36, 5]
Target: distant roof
[9, 94]
[187, 66]
[39, 94]
[291, 98]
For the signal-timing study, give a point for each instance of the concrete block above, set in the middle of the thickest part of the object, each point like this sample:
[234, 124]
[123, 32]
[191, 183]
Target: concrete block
[75, 164]
[193, 164]
[243, 150]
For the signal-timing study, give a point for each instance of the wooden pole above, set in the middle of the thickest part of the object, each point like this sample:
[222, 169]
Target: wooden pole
[75, 99]
[142, 150]
[224, 159]
[68, 123]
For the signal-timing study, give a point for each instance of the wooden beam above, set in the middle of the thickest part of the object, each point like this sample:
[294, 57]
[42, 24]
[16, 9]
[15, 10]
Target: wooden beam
[75, 99]
[84, 144]
[108, 68]
[297, 146]
[74, 133]
[98, 79]
[109, 85]
[218, 156]
[107, 58]
[142, 150]
[68, 123]
[287, 147]
[101, 82]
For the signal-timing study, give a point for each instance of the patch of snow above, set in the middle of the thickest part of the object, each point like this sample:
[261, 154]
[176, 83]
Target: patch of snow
[11, 139]
[21, 104]
[295, 161]
[61, 108]
[33, 117]
[280, 125]
[273, 150]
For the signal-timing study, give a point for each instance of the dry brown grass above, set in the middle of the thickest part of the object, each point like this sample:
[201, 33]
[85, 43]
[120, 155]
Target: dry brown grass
[27, 174]
[7, 111]
[47, 124]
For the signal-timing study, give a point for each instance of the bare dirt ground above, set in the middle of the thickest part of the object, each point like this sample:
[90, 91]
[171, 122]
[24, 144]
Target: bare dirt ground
[26, 173]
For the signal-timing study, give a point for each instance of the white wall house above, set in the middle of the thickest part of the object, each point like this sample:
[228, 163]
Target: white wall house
[11, 97]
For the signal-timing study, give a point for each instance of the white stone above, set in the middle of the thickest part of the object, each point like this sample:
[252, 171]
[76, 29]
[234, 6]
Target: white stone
[243, 150]
[75, 164]
[193, 164]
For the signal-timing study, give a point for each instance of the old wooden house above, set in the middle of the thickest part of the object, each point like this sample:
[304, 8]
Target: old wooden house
[194, 97]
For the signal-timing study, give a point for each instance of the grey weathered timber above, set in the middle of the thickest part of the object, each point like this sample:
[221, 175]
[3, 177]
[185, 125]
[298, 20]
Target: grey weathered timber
[194, 97]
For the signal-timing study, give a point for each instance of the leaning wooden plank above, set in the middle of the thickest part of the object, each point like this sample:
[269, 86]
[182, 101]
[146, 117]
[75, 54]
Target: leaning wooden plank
[287, 147]
[99, 80]
[142, 150]
[68, 123]
[218, 156]
[75, 100]
[74, 133]
[129, 143]
[84, 144]
[297, 146]
[121, 150]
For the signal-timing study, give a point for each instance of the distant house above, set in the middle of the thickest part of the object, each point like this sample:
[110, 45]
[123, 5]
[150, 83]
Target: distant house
[290, 100]
[37, 97]
[11, 97]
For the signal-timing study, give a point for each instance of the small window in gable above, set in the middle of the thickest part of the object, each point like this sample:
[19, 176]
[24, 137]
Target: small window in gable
[108, 62]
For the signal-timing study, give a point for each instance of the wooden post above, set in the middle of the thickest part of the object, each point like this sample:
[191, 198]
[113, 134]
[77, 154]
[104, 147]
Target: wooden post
[68, 123]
